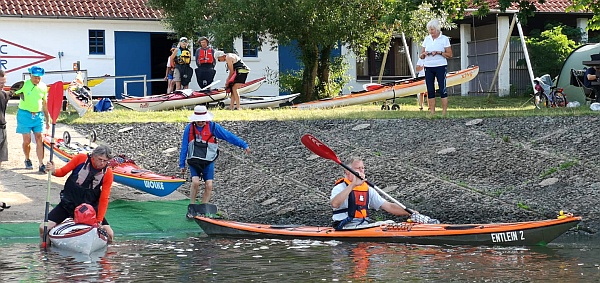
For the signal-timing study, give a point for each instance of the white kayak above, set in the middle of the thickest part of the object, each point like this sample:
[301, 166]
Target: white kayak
[81, 238]
[252, 102]
[182, 98]
[389, 91]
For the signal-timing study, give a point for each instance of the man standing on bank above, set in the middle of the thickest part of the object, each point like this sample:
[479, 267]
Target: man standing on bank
[33, 114]
[200, 149]
[205, 60]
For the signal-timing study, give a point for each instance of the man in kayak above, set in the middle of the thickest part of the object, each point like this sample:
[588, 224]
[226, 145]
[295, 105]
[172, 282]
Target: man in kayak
[352, 197]
[90, 182]
[199, 149]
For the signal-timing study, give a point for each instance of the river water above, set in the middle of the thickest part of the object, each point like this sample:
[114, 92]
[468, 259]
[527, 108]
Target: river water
[196, 258]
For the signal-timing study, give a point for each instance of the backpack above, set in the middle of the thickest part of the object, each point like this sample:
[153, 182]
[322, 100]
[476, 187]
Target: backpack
[85, 214]
[104, 105]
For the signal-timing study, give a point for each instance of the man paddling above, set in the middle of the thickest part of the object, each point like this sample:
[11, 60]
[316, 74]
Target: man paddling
[352, 197]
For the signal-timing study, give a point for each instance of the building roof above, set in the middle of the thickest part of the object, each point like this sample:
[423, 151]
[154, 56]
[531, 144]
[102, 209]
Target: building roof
[99, 9]
[549, 6]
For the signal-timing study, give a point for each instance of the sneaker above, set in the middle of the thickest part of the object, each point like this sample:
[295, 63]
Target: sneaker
[42, 169]
[28, 164]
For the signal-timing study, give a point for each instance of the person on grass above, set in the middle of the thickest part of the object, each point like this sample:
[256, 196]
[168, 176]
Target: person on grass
[352, 197]
[199, 148]
[33, 114]
[238, 72]
[90, 182]
[435, 51]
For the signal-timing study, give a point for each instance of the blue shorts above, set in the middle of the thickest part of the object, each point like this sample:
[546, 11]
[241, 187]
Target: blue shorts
[28, 122]
[207, 174]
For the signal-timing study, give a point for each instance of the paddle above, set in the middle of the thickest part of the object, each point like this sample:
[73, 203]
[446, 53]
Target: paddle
[55, 99]
[210, 85]
[320, 149]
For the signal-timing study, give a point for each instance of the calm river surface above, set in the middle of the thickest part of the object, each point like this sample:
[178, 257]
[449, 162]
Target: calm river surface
[201, 259]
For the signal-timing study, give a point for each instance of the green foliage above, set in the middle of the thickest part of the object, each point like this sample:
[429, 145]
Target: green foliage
[587, 6]
[506, 139]
[290, 81]
[568, 164]
[548, 172]
[522, 206]
[549, 44]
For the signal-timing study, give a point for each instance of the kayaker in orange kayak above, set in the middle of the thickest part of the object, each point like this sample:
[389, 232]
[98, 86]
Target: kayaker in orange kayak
[352, 197]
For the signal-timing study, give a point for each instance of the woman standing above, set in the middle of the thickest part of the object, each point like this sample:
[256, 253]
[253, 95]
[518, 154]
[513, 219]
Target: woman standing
[434, 52]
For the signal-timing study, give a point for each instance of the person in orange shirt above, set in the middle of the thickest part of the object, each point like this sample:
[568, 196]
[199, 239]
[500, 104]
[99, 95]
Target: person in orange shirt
[90, 182]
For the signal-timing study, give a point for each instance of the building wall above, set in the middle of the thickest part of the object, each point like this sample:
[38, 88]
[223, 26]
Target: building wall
[25, 41]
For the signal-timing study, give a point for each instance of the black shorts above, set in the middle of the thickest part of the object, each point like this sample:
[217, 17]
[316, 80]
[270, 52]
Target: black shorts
[240, 78]
[59, 214]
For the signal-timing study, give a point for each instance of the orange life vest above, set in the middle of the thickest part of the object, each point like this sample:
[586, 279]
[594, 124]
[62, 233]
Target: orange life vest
[205, 56]
[358, 200]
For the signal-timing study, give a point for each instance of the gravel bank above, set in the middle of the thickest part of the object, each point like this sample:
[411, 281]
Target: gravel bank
[498, 170]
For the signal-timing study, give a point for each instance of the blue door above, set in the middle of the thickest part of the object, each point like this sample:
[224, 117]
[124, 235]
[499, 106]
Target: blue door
[132, 57]
[289, 58]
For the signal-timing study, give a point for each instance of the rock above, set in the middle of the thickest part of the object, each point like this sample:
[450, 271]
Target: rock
[474, 122]
[548, 182]
[269, 201]
[447, 150]
[361, 127]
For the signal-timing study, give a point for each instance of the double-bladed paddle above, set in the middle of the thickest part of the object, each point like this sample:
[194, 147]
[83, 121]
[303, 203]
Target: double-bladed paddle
[55, 99]
[322, 150]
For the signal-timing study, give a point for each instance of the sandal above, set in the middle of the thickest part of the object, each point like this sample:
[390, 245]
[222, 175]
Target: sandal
[3, 206]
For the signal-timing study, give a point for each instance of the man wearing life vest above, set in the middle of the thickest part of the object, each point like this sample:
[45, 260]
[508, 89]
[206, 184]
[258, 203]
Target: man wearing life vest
[205, 60]
[238, 72]
[182, 75]
[90, 182]
[352, 197]
[199, 149]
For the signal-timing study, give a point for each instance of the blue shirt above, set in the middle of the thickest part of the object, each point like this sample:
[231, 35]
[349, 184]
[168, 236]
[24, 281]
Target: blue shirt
[217, 130]
[588, 71]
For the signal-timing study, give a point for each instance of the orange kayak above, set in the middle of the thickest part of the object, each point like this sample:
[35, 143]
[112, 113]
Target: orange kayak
[125, 171]
[532, 233]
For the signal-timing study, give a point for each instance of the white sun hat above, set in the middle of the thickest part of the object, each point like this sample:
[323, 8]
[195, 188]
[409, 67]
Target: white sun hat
[201, 114]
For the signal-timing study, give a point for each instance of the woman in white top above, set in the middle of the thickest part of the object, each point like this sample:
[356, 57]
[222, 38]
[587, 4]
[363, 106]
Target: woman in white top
[434, 52]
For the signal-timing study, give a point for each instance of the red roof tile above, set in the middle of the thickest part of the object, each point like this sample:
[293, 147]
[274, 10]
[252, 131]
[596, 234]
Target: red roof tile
[109, 9]
[549, 6]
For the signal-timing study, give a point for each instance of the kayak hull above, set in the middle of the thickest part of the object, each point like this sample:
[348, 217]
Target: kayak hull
[397, 90]
[533, 233]
[80, 238]
[125, 172]
[180, 99]
[256, 102]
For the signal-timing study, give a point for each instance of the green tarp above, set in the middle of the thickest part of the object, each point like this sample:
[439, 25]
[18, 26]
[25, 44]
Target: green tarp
[158, 219]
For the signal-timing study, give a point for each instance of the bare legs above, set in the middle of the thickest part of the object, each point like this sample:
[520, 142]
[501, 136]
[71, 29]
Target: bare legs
[431, 103]
[39, 146]
[208, 186]
[235, 97]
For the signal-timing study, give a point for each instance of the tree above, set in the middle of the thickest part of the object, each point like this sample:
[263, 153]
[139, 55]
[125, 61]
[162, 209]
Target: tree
[318, 26]
[551, 41]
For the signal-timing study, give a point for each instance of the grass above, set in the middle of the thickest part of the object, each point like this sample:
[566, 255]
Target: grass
[459, 107]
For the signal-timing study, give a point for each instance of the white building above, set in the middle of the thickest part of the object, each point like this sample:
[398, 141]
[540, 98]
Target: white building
[105, 39]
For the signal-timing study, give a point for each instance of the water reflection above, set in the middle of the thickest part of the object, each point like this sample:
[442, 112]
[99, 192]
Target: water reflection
[201, 259]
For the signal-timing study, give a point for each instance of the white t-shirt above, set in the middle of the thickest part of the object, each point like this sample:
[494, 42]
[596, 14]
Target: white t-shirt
[439, 44]
[422, 72]
[375, 201]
